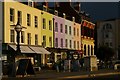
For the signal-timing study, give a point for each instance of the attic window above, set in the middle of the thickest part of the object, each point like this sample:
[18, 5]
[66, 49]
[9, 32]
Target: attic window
[64, 16]
[56, 12]
[73, 19]
[44, 8]
[30, 3]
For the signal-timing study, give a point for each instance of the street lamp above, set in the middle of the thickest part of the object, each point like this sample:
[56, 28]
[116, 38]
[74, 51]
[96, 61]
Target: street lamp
[18, 29]
[12, 67]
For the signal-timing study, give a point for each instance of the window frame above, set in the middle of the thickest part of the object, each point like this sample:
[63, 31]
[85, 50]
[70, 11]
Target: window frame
[61, 42]
[19, 14]
[12, 36]
[44, 23]
[36, 39]
[50, 25]
[12, 15]
[29, 38]
[70, 32]
[56, 27]
[28, 20]
[56, 42]
[22, 37]
[61, 28]
[66, 29]
[36, 21]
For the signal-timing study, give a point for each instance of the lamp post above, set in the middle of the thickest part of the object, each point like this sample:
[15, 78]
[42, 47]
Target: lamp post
[18, 29]
[12, 66]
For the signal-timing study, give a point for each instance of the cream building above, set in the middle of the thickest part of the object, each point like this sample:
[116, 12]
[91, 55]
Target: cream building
[108, 34]
[87, 38]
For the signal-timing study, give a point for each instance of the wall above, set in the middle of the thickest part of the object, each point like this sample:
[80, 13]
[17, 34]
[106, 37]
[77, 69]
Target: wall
[30, 29]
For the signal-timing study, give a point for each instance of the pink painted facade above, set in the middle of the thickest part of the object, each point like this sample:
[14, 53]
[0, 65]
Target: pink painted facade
[58, 34]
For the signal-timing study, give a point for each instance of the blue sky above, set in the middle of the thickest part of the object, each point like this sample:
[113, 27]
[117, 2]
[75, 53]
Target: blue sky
[101, 10]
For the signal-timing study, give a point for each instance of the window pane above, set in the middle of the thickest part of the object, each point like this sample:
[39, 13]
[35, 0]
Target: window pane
[20, 17]
[56, 42]
[66, 43]
[61, 42]
[29, 38]
[70, 30]
[50, 25]
[44, 41]
[66, 29]
[50, 41]
[56, 26]
[36, 39]
[70, 44]
[36, 21]
[11, 15]
[61, 28]
[28, 20]
[74, 44]
[78, 44]
[77, 32]
[12, 36]
[44, 23]
[74, 32]
[22, 37]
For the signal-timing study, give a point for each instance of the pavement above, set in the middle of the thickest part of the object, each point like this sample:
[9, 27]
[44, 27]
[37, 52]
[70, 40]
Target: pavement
[53, 75]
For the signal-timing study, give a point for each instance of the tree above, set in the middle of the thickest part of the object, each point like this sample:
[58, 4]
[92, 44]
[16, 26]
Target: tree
[105, 53]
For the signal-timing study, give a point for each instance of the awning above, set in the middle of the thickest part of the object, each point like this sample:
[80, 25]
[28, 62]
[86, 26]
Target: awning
[36, 50]
[24, 49]
[39, 50]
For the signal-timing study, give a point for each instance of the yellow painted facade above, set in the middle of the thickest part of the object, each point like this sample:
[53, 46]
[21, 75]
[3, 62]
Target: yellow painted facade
[47, 32]
[30, 29]
[88, 42]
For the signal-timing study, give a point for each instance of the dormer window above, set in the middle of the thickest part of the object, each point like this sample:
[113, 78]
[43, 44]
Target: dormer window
[56, 12]
[31, 3]
[73, 19]
[64, 16]
[44, 8]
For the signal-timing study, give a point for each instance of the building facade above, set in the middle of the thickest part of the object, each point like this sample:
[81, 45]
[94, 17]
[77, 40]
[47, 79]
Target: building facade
[108, 35]
[30, 38]
[87, 37]
[48, 37]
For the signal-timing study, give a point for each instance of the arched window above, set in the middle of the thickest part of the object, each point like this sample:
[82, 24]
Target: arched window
[88, 50]
[84, 49]
[91, 50]
[107, 26]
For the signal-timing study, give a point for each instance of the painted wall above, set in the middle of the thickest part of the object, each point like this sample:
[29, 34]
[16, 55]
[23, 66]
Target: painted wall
[77, 36]
[30, 29]
[68, 36]
[58, 34]
[47, 32]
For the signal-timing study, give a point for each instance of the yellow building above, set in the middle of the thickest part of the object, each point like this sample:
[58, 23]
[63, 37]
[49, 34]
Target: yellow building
[47, 30]
[87, 38]
[30, 38]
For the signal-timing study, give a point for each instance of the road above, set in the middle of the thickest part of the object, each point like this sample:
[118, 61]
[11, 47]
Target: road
[83, 75]
[107, 77]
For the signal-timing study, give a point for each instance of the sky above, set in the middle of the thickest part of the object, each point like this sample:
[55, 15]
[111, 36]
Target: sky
[101, 10]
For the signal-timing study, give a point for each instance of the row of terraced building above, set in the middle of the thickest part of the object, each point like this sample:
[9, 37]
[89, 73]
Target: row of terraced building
[59, 32]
